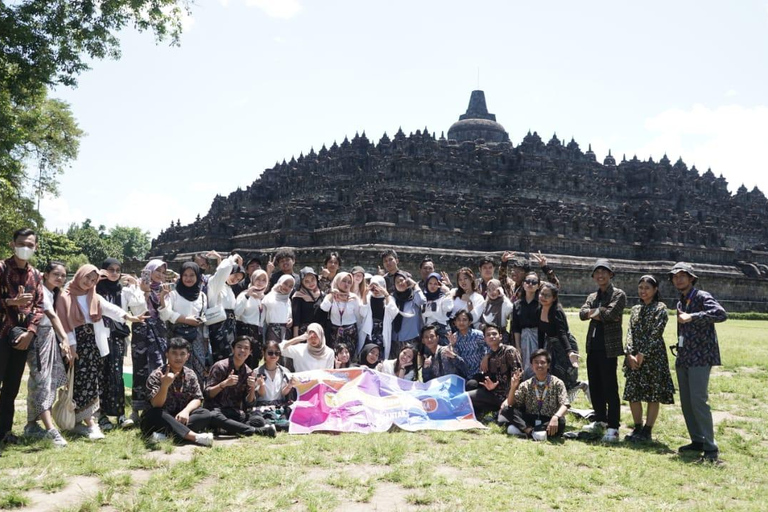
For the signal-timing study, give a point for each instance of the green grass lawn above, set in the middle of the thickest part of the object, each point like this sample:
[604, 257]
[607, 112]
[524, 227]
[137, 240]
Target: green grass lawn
[471, 470]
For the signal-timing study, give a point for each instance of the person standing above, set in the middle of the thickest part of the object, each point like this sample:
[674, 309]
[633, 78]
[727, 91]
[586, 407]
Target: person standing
[697, 353]
[604, 309]
[21, 309]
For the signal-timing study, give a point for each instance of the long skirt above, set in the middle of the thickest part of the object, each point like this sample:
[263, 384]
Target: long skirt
[112, 397]
[561, 365]
[87, 373]
[47, 373]
[257, 336]
[346, 334]
[377, 338]
[198, 350]
[148, 347]
[222, 335]
[529, 343]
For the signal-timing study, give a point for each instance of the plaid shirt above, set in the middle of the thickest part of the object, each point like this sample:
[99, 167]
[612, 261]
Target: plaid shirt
[11, 277]
[611, 315]
[700, 347]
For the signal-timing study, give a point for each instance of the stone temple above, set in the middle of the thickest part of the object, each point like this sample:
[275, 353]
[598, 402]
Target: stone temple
[475, 192]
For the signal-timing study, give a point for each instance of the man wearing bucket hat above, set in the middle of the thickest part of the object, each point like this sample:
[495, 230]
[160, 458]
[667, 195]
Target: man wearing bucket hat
[604, 309]
[697, 353]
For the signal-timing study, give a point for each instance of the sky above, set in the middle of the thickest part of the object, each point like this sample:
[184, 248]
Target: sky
[254, 82]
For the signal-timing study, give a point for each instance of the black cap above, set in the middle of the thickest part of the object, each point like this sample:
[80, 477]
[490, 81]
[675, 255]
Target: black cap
[602, 263]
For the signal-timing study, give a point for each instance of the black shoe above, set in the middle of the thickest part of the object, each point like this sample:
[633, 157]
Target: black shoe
[267, 430]
[693, 447]
[632, 437]
[712, 456]
[9, 438]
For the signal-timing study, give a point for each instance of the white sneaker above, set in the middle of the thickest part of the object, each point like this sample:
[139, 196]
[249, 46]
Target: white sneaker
[95, 433]
[514, 431]
[81, 429]
[611, 435]
[157, 437]
[55, 436]
[595, 427]
[125, 422]
[204, 439]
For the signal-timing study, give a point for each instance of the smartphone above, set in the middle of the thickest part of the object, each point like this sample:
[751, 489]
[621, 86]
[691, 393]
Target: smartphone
[146, 277]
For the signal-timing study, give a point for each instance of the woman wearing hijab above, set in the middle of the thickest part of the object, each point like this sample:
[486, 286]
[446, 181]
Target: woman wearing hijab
[496, 308]
[344, 311]
[220, 315]
[112, 386]
[438, 306]
[184, 308]
[312, 355]
[148, 339]
[378, 315]
[278, 310]
[306, 302]
[370, 356]
[81, 310]
[406, 327]
[249, 312]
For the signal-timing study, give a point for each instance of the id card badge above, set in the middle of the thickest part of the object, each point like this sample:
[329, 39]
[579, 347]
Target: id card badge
[537, 423]
[680, 340]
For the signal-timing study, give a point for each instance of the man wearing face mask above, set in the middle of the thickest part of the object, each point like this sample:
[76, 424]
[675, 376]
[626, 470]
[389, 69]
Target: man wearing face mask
[21, 309]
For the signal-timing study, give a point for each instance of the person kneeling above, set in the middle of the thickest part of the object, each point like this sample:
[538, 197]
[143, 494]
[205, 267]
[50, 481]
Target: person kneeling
[537, 407]
[175, 397]
[231, 393]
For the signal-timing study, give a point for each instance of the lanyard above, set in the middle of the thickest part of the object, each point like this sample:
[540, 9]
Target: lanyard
[541, 396]
[689, 299]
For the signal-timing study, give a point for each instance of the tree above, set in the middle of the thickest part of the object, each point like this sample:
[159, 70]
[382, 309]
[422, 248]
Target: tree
[53, 246]
[135, 243]
[94, 243]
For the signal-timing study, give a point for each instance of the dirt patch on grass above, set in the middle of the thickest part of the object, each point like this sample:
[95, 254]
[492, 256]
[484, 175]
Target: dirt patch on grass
[388, 497]
[77, 490]
[458, 475]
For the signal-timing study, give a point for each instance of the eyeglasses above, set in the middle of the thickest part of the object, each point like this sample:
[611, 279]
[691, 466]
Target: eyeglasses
[273, 353]
[531, 281]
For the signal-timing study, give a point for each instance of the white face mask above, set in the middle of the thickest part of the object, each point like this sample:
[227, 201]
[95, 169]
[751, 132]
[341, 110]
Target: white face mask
[24, 253]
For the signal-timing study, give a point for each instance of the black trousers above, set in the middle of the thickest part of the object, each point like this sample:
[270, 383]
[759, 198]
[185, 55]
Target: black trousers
[483, 401]
[522, 420]
[604, 388]
[12, 363]
[157, 419]
[234, 421]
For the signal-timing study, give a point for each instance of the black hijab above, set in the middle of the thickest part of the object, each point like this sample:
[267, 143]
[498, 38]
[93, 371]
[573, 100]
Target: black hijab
[364, 356]
[106, 287]
[401, 298]
[191, 293]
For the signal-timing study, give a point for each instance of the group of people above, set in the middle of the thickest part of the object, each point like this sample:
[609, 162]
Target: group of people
[213, 348]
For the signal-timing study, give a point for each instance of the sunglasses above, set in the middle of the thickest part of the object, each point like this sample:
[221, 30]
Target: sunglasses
[273, 353]
[531, 281]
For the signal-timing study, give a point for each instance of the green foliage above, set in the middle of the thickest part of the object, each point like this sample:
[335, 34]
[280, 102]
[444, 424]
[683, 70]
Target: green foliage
[53, 246]
[96, 244]
[134, 242]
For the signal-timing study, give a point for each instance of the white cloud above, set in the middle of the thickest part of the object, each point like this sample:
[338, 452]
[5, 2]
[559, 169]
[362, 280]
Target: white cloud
[278, 39]
[730, 93]
[284, 9]
[729, 139]
[59, 214]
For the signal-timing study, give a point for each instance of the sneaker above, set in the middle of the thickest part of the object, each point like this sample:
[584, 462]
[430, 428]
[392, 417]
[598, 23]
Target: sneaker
[124, 422]
[55, 436]
[693, 447]
[81, 429]
[595, 427]
[34, 430]
[95, 433]
[105, 425]
[135, 417]
[158, 437]
[282, 425]
[9, 438]
[711, 456]
[267, 430]
[514, 431]
[204, 439]
[611, 435]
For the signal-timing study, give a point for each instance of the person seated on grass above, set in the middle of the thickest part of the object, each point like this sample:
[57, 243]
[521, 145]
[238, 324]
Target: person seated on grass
[439, 359]
[343, 359]
[175, 398]
[369, 356]
[497, 369]
[231, 393]
[274, 386]
[312, 355]
[405, 366]
[538, 404]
